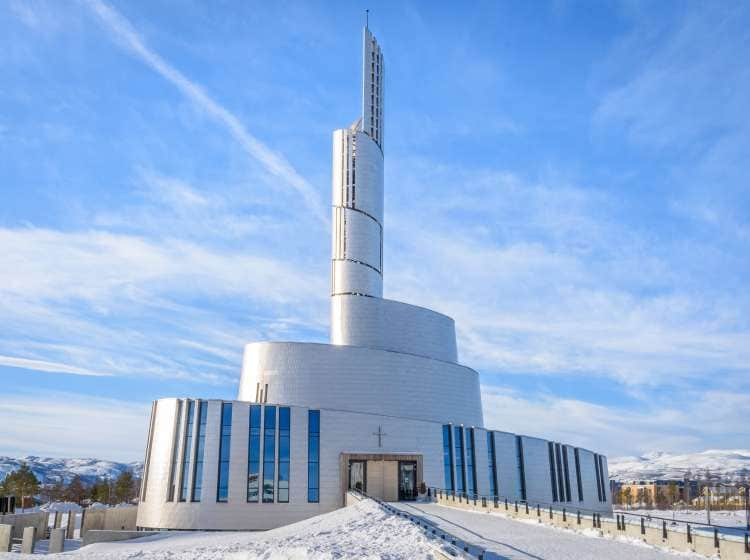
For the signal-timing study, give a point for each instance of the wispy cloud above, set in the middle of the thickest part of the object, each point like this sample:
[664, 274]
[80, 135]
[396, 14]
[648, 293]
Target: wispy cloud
[42, 365]
[662, 424]
[72, 424]
[550, 283]
[276, 164]
[112, 303]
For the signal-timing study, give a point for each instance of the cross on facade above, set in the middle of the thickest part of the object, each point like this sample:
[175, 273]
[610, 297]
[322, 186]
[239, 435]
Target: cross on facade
[380, 433]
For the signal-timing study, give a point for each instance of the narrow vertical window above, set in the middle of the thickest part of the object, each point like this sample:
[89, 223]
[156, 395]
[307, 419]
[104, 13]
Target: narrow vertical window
[458, 457]
[269, 453]
[598, 477]
[578, 474]
[253, 454]
[566, 471]
[447, 458]
[492, 464]
[187, 450]
[471, 473]
[603, 493]
[284, 440]
[175, 454]
[147, 462]
[560, 484]
[521, 468]
[313, 456]
[552, 474]
[200, 445]
[225, 440]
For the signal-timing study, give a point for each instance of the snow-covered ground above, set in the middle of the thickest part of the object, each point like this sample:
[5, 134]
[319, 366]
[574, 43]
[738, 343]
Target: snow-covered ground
[526, 539]
[366, 530]
[728, 464]
[363, 530]
[722, 518]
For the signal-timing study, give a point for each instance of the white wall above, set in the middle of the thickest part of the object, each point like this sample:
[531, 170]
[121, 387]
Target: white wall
[341, 432]
[391, 325]
[362, 380]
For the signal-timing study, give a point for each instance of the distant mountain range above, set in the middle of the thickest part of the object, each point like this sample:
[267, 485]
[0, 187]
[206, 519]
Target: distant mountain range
[50, 470]
[725, 464]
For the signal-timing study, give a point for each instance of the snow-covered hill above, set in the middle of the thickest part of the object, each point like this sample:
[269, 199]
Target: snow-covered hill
[726, 464]
[50, 470]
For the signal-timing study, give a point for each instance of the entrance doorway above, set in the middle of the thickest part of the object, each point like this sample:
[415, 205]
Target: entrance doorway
[386, 476]
[358, 475]
[407, 480]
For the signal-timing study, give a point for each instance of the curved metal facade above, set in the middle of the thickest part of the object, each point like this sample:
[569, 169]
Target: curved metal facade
[361, 379]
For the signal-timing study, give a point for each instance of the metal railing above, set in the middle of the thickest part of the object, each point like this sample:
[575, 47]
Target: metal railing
[621, 519]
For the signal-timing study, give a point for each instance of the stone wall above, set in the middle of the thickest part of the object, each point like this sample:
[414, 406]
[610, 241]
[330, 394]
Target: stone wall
[113, 519]
[22, 520]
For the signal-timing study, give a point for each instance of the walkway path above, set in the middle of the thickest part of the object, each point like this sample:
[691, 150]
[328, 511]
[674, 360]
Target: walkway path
[505, 538]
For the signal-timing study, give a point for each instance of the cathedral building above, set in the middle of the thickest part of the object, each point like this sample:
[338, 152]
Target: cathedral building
[384, 407]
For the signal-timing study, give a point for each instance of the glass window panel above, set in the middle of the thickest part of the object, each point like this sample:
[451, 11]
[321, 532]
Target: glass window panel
[313, 473]
[187, 452]
[224, 452]
[447, 459]
[175, 455]
[313, 456]
[458, 440]
[314, 421]
[269, 452]
[268, 480]
[283, 448]
[313, 449]
[283, 472]
[253, 454]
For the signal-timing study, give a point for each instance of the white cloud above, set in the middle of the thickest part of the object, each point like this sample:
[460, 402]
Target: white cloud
[102, 267]
[542, 279]
[711, 419]
[42, 365]
[70, 424]
[275, 163]
[127, 305]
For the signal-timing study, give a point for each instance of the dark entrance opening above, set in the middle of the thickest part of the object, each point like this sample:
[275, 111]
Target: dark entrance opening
[358, 475]
[407, 480]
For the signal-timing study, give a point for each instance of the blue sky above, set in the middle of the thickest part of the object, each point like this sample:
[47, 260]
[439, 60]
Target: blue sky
[568, 180]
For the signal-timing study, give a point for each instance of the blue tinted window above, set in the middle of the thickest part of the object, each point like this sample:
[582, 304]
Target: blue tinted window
[284, 443]
[578, 474]
[492, 464]
[269, 452]
[313, 456]
[175, 455]
[471, 474]
[521, 468]
[199, 452]
[253, 455]
[551, 454]
[222, 490]
[187, 450]
[447, 459]
[458, 457]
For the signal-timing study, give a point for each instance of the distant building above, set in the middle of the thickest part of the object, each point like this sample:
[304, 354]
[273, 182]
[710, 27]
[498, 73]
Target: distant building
[646, 493]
